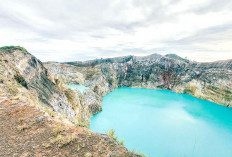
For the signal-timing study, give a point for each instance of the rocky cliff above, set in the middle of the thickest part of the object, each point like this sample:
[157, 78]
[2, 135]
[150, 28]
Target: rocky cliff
[34, 104]
[25, 76]
[209, 81]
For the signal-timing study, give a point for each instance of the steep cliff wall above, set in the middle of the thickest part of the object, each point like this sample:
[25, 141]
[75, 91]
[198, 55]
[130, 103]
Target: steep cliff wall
[64, 74]
[209, 81]
[25, 77]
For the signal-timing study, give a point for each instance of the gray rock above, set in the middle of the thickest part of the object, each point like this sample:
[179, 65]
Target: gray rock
[40, 119]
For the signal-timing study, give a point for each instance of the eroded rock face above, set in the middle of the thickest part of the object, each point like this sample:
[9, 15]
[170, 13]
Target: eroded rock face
[68, 74]
[25, 76]
[210, 81]
[92, 101]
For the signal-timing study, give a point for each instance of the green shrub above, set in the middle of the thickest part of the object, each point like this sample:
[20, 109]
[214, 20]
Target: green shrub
[187, 91]
[110, 80]
[20, 80]
[80, 123]
[122, 142]
[95, 89]
[13, 48]
[111, 134]
[89, 75]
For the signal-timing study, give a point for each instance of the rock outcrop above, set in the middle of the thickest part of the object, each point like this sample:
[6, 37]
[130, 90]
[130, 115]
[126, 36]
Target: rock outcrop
[25, 76]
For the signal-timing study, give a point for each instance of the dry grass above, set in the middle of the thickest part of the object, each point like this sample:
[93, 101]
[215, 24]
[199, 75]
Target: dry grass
[58, 129]
[111, 134]
[49, 111]
[46, 145]
[61, 140]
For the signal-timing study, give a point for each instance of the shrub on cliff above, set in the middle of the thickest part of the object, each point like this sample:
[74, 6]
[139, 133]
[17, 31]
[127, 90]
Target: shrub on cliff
[13, 48]
[174, 56]
[111, 134]
[20, 80]
[89, 75]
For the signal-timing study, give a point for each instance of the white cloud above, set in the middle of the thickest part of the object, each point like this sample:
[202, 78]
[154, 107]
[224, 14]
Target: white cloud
[62, 30]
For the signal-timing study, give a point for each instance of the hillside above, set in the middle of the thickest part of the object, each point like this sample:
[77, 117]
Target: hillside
[40, 116]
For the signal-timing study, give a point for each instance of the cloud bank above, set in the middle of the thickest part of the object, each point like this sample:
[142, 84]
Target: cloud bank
[69, 30]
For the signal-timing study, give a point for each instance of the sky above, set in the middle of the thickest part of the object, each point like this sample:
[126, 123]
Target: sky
[77, 30]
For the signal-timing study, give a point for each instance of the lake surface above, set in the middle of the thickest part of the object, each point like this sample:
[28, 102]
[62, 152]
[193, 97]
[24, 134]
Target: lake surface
[161, 123]
[81, 88]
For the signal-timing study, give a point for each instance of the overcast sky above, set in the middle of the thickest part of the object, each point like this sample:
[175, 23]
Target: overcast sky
[69, 30]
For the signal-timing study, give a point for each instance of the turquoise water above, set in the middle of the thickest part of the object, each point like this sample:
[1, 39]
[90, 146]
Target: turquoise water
[81, 88]
[161, 123]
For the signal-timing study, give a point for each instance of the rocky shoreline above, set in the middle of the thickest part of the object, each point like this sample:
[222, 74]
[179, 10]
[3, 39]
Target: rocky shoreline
[209, 81]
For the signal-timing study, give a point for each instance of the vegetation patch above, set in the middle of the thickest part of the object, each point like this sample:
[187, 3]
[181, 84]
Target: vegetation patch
[58, 129]
[110, 80]
[46, 145]
[95, 89]
[190, 89]
[174, 56]
[69, 94]
[78, 148]
[49, 111]
[111, 134]
[89, 75]
[228, 98]
[62, 141]
[14, 48]
[88, 155]
[13, 90]
[20, 80]
[187, 91]
[83, 124]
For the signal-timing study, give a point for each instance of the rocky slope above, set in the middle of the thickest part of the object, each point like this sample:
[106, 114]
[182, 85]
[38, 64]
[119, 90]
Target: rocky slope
[22, 75]
[33, 103]
[209, 81]
[27, 131]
